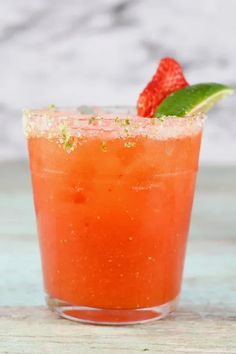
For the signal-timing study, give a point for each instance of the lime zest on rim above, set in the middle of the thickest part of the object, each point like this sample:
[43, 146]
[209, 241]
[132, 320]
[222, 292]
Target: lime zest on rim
[193, 99]
[69, 142]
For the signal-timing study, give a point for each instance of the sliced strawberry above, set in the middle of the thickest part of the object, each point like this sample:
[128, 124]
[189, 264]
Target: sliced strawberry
[168, 78]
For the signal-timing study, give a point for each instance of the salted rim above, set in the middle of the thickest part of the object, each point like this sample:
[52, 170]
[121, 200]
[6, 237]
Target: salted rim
[106, 123]
[106, 112]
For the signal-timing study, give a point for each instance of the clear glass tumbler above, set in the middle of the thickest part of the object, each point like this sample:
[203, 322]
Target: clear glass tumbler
[113, 195]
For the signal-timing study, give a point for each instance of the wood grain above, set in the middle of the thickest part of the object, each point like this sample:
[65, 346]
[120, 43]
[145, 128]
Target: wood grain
[34, 330]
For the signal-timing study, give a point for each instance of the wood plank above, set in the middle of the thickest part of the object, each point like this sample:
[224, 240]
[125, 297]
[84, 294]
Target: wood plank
[37, 331]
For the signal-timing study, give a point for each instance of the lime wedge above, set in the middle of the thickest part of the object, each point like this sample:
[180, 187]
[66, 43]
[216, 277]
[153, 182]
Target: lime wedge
[192, 99]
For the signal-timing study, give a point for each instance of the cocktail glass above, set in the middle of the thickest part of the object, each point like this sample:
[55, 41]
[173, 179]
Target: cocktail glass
[113, 195]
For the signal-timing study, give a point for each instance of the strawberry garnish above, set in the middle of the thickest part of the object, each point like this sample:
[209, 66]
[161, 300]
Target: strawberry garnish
[168, 78]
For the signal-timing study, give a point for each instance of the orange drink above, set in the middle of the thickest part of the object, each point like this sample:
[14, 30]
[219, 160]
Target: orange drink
[113, 194]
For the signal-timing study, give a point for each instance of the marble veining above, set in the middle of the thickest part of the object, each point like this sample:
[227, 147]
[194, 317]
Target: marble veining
[104, 51]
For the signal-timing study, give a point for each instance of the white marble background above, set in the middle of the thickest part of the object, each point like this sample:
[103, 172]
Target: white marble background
[72, 52]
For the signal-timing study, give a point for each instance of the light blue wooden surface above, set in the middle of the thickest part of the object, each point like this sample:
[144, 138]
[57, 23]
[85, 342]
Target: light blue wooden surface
[210, 271]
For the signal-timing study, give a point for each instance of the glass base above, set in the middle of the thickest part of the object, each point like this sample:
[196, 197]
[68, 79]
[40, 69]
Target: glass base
[115, 317]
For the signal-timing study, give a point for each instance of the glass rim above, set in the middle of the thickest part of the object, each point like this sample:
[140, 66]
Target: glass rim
[106, 121]
[107, 112]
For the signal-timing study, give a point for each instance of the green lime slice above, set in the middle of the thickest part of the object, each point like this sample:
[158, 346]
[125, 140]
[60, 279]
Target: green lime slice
[192, 99]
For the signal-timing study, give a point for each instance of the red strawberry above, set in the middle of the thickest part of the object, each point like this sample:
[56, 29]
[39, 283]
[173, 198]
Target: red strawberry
[167, 79]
